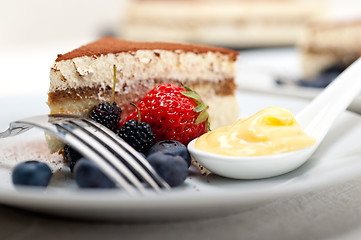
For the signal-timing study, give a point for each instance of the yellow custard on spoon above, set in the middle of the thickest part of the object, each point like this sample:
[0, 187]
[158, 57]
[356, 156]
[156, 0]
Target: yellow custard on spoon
[270, 131]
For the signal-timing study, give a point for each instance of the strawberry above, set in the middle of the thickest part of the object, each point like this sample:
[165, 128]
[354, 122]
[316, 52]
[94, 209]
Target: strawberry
[174, 113]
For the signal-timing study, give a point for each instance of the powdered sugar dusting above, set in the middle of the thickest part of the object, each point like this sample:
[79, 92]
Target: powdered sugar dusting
[23, 150]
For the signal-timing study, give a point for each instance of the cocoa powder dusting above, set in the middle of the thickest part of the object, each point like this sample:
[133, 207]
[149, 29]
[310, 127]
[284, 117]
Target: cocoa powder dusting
[19, 151]
[113, 45]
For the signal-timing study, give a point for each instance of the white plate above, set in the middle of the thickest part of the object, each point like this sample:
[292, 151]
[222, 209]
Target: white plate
[336, 161]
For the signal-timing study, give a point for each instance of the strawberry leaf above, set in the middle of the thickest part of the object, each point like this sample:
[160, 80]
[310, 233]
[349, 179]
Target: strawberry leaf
[208, 126]
[203, 116]
[192, 95]
[200, 108]
[188, 88]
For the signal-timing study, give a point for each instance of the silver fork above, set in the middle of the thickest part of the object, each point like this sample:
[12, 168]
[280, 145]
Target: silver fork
[117, 159]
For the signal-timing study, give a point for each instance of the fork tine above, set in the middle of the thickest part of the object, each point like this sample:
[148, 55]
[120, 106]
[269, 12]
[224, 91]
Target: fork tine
[89, 152]
[131, 157]
[48, 124]
[98, 146]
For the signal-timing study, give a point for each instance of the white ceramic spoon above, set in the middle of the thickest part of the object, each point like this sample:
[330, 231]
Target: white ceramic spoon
[315, 119]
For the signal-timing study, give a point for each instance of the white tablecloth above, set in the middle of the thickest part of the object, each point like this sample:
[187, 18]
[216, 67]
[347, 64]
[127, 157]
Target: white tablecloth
[333, 213]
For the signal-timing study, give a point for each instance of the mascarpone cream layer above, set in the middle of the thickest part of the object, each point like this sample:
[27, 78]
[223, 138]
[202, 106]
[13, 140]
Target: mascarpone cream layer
[140, 65]
[327, 43]
[344, 37]
[208, 11]
[235, 34]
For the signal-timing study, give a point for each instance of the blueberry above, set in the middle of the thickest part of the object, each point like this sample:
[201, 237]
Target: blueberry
[323, 79]
[336, 68]
[31, 173]
[173, 169]
[320, 81]
[172, 147]
[88, 175]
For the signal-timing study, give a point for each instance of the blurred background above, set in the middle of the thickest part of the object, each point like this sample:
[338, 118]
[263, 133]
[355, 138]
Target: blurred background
[33, 32]
[282, 42]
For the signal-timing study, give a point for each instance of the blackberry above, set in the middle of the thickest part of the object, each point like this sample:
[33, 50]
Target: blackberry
[107, 114]
[71, 156]
[137, 134]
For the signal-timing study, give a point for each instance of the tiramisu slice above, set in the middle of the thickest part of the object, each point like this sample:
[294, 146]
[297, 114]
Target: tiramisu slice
[330, 44]
[231, 23]
[82, 78]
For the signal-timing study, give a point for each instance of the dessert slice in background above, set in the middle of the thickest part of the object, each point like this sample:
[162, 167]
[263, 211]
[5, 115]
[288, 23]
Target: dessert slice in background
[82, 78]
[230, 23]
[329, 46]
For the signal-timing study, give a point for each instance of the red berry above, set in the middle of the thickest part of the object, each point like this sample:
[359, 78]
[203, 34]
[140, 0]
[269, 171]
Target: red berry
[174, 113]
